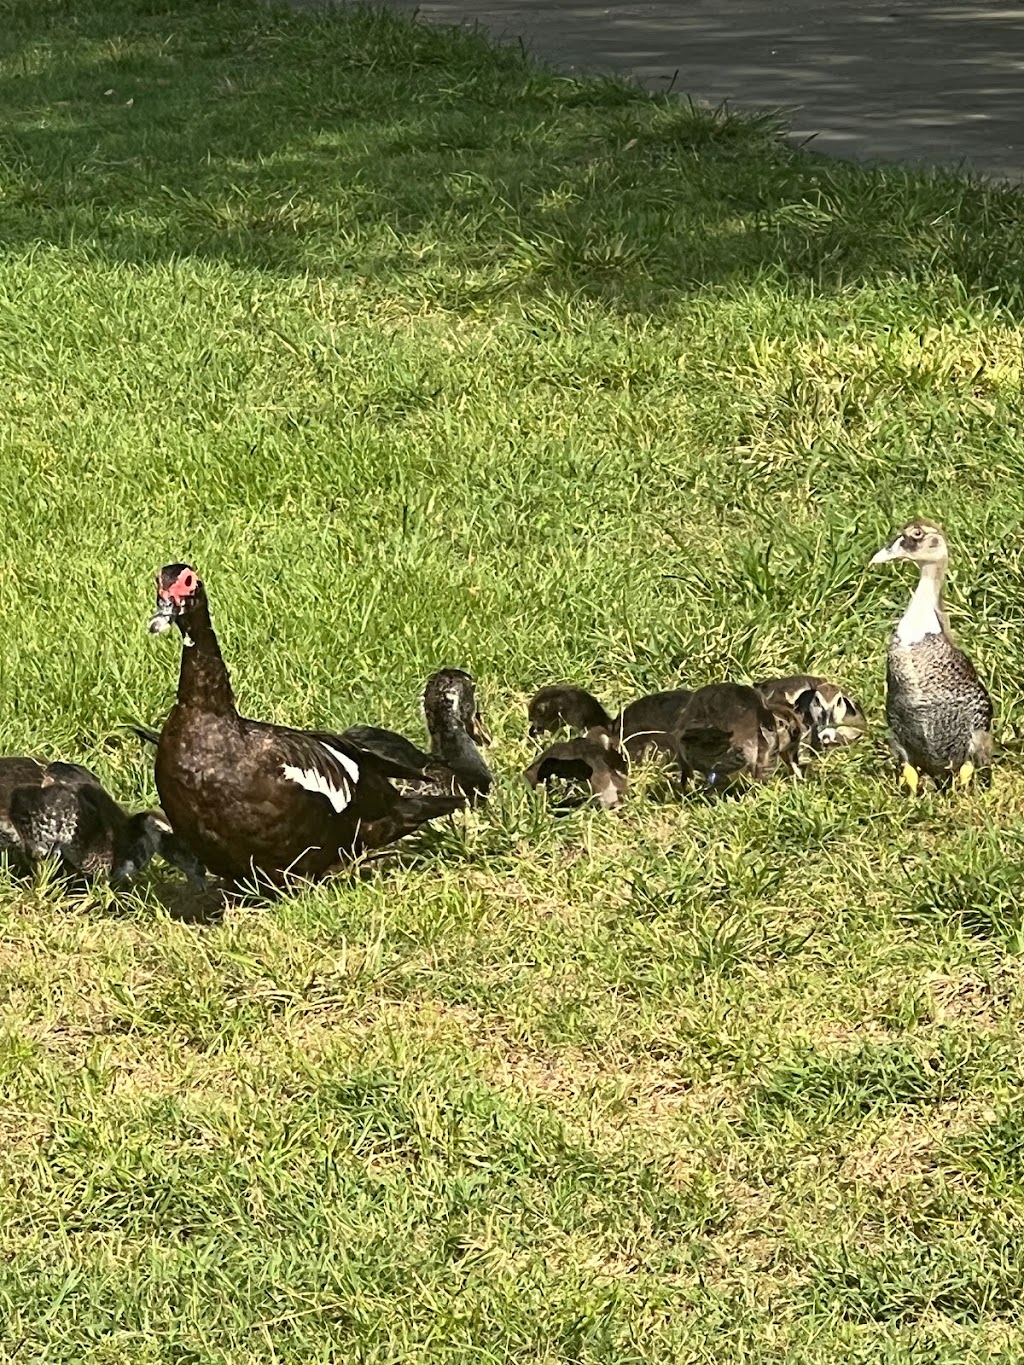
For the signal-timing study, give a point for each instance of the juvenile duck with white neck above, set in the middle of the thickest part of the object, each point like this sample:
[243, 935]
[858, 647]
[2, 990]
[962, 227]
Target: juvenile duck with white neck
[938, 709]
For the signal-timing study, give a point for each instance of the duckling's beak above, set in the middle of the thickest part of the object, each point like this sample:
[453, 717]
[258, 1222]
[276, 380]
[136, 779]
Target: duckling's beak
[163, 618]
[478, 731]
[889, 553]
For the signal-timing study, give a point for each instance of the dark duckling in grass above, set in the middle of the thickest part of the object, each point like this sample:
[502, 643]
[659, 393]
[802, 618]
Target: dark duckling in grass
[645, 728]
[728, 729]
[830, 716]
[70, 816]
[593, 759]
[573, 707]
[17, 773]
[938, 710]
[456, 727]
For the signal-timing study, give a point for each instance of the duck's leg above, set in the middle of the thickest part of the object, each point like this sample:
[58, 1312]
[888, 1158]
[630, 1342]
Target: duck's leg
[910, 778]
[962, 777]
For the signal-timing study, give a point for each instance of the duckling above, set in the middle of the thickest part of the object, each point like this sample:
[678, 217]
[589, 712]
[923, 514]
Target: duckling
[830, 717]
[938, 709]
[80, 823]
[16, 773]
[643, 728]
[575, 707]
[593, 759]
[728, 729]
[456, 726]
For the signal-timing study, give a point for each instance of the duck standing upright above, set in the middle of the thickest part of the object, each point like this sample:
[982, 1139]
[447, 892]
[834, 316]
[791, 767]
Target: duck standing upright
[257, 800]
[938, 709]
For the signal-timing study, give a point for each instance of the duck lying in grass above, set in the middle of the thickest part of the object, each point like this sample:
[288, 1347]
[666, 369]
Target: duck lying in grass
[85, 828]
[456, 727]
[594, 759]
[938, 709]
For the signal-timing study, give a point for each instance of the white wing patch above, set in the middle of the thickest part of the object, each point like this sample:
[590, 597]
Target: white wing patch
[314, 781]
[350, 767]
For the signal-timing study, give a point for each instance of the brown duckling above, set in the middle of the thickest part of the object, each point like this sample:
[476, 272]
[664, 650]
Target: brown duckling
[729, 729]
[643, 728]
[938, 709]
[831, 718]
[573, 707]
[593, 758]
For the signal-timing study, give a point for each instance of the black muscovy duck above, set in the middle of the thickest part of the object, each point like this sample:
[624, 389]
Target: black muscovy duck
[258, 801]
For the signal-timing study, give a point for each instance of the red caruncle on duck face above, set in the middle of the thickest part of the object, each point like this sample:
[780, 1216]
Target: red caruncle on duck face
[176, 588]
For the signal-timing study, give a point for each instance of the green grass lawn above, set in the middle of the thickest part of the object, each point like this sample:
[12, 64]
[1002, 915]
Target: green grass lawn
[424, 355]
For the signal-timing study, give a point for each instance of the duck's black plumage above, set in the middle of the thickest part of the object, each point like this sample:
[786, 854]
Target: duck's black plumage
[258, 801]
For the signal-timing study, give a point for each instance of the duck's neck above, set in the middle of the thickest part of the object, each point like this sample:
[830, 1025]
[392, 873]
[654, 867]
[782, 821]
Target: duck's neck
[924, 615]
[453, 746]
[203, 682]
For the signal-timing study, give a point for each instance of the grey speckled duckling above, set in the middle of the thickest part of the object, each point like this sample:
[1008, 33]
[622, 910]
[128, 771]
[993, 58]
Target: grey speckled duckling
[69, 815]
[939, 711]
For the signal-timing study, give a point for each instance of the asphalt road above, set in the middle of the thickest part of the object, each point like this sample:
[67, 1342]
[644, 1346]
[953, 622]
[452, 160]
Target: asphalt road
[910, 80]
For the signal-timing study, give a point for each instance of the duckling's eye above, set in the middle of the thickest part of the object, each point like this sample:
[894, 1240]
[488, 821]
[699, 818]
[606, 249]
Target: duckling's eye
[915, 533]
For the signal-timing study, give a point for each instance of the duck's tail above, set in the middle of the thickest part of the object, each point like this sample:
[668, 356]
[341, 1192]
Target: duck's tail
[144, 733]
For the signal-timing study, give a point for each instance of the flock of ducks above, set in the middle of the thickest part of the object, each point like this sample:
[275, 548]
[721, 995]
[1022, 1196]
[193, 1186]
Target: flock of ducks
[257, 803]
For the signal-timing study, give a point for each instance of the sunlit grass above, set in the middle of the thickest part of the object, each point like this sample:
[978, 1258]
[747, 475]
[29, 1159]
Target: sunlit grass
[424, 355]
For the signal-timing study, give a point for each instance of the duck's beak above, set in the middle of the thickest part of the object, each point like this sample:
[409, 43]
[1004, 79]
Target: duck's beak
[163, 618]
[889, 553]
[478, 731]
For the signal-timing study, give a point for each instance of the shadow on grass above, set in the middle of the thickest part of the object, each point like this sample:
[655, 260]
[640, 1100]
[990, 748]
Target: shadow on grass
[358, 144]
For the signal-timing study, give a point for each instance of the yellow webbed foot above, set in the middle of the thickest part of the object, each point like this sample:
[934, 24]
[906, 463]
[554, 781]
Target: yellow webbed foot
[909, 778]
[963, 777]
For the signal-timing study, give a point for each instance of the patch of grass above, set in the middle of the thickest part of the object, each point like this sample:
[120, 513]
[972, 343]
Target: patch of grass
[426, 355]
